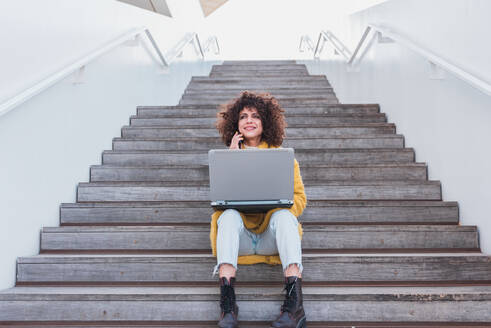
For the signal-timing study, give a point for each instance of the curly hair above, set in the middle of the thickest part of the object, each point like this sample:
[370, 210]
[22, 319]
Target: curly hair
[270, 112]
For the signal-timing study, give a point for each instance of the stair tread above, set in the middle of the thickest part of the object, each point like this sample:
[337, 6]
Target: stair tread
[317, 212]
[284, 102]
[344, 105]
[378, 268]
[273, 91]
[381, 140]
[297, 130]
[310, 171]
[360, 136]
[259, 72]
[312, 183]
[483, 292]
[372, 203]
[365, 269]
[305, 165]
[333, 156]
[259, 62]
[310, 76]
[318, 238]
[77, 258]
[279, 96]
[291, 126]
[236, 68]
[191, 115]
[307, 228]
[164, 304]
[196, 88]
[303, 150]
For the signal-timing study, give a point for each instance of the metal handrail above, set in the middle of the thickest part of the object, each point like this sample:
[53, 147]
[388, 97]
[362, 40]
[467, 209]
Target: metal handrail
[339, 47]
[385, 34]
[58, 75]
[176, 51]
[212, 40]
[305, 39]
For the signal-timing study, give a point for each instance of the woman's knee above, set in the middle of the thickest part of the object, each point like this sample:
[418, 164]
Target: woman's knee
[230, 218]
[283, 218]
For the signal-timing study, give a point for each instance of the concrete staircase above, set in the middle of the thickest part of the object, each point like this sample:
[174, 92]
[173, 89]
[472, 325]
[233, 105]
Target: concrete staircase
[381, 248]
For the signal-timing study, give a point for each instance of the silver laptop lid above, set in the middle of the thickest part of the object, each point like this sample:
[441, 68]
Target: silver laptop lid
[251, 174]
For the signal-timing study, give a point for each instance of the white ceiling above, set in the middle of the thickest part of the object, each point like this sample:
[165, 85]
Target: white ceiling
[158, 6]
[162, 7]
[209, 6]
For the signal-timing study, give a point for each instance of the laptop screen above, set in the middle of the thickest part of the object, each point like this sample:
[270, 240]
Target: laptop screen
[251, 175]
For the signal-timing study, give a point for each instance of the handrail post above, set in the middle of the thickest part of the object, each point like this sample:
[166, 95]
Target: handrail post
[364, 36]
[301, 43]
[317, 45]
[159, 53]
[199, 45]
[218, 46]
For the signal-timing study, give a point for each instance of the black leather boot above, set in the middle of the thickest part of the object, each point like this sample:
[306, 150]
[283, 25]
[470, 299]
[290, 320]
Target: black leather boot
[292, 313]
[230, 310]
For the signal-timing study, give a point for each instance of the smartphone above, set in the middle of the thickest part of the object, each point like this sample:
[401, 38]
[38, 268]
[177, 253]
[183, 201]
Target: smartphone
[240, 141]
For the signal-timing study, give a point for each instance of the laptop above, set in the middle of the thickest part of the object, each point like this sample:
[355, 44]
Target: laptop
[251, 180]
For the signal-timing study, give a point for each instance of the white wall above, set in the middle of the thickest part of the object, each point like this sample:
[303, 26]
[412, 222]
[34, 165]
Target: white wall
[271, 29]
[447, 121]
[48, 143]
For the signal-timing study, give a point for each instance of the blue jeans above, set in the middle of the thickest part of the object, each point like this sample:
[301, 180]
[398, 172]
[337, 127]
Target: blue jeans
[280, 237]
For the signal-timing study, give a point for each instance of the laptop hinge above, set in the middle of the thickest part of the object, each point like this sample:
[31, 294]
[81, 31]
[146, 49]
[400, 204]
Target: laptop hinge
[252, 202]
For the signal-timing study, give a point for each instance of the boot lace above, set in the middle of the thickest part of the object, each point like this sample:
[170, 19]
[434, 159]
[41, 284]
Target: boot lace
[290, 297]
[227, 299]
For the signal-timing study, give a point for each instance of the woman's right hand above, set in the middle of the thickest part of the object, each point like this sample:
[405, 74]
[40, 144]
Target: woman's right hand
[234, 144]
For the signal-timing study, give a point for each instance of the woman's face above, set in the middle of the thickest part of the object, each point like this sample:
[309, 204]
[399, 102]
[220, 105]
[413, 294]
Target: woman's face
[250, 124]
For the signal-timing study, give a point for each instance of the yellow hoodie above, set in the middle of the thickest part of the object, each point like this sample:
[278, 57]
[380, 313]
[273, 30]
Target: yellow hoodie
[258, 222]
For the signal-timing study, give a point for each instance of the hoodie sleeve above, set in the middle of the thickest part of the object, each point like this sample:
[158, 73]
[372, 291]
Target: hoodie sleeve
[299, 198]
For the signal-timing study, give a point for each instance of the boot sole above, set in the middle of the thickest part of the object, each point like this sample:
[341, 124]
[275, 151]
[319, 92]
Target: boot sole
[302, 323]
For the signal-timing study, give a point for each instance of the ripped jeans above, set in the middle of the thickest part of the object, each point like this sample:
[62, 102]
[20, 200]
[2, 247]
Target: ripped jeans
[280, 237]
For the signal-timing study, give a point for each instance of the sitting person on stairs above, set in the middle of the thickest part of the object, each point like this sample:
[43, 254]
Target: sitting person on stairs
[256, 120]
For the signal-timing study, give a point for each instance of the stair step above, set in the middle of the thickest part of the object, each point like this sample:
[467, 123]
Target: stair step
[316, 238]
[164, 305]
[209, 113]
[278, 69]
[266, 82]
[259, 62]
[414, 171]
[320, 269]
[258, 68]
[284, 102]
[364, 141]
[319, 190]
[223, 97]
[270, 73]
[259, 86]
[207, 97]
[298, 130]
[192, 119]
[277, 92]
[145, 158]
[198, 110]
[280, 80]
[317, 212]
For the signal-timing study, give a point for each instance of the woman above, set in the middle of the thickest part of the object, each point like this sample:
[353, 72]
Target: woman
[257, 121]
